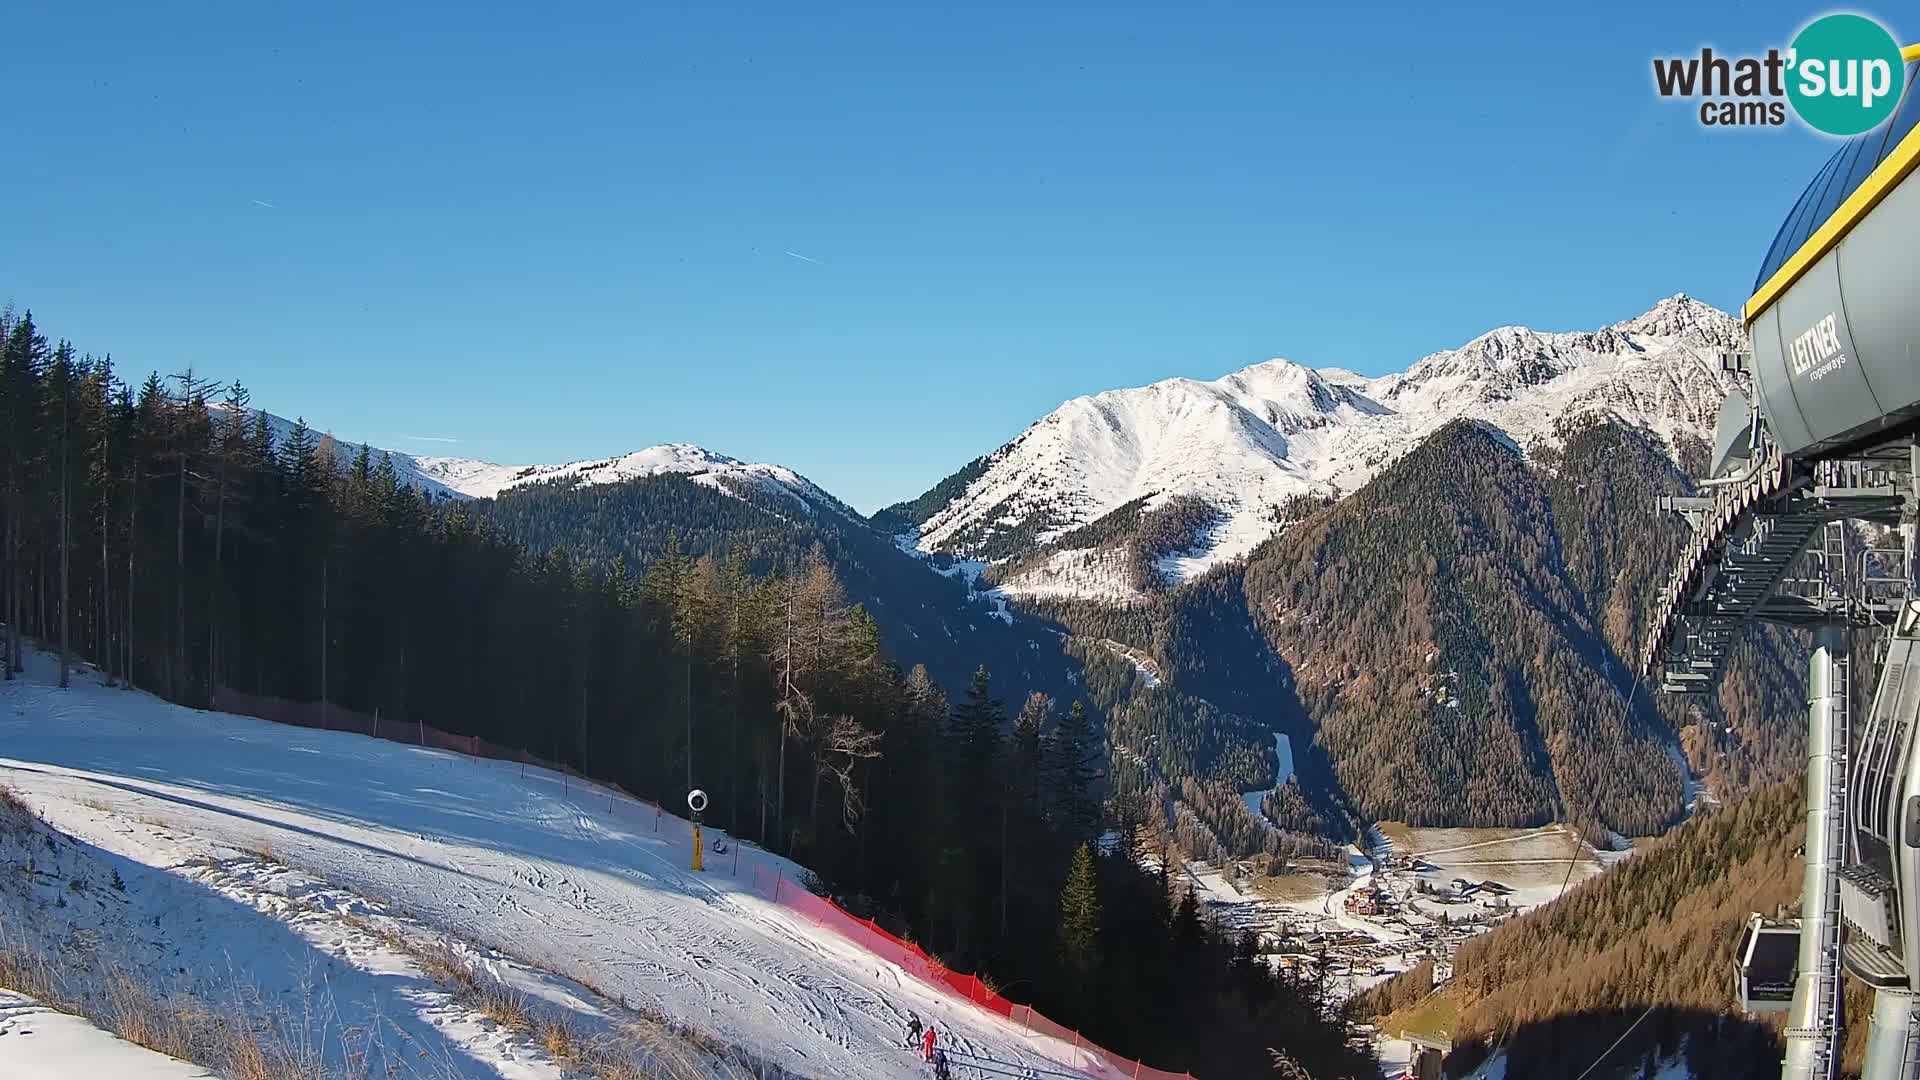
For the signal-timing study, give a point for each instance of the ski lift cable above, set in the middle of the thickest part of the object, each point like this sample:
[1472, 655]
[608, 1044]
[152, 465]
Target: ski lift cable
[1616, 1043]
[1573, 856]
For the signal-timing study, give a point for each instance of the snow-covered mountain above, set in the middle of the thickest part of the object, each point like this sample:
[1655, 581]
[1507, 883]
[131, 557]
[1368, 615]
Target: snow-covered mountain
[470, 478]
[1248, 441]
[481, 479]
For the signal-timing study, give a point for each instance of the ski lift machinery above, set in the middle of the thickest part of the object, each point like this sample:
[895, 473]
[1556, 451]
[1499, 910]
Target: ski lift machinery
[1806, 519]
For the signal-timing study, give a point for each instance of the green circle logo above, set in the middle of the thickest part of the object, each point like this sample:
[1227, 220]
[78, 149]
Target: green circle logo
[1846, 74]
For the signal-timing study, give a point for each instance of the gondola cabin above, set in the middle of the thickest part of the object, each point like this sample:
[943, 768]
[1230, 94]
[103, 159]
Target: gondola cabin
[1766, 964]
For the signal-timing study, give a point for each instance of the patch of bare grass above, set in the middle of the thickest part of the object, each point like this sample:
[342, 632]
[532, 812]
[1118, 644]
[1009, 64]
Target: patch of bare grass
[15, 815]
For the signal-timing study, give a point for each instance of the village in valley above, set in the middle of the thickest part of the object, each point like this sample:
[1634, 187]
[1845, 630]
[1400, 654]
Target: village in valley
[1414, 895]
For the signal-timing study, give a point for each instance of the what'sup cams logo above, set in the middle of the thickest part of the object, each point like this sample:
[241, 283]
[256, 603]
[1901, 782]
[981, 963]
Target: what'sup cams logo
[1842, 75]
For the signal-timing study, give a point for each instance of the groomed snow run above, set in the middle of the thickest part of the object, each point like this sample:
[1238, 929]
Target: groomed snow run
[581, 898]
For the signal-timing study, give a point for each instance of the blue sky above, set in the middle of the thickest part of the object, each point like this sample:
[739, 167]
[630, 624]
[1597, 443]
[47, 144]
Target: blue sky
[555, 234]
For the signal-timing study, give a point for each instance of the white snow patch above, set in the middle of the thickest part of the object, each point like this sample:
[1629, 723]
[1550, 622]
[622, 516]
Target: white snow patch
[38, 1043]
[1089, 573]
[966, 570]
[1674, 1068]
[1694, 793]
[1148, 671]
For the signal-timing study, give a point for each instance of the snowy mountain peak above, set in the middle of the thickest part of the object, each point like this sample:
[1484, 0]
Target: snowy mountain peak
[1248, 441]
[480, 479]
[1682, 317]
[456, 477]
[1285, 381]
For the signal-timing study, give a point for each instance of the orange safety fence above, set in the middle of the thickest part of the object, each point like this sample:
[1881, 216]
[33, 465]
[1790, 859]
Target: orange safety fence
[331, 717]
[911, 958]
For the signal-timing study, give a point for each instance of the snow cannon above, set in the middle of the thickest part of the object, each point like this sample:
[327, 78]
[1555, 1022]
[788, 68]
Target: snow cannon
[697, 802]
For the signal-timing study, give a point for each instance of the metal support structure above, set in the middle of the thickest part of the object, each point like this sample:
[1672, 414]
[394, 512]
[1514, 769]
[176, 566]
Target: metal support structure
[1815, 1023]
[1893, 1037]
[1893, 1044]
[1777, 540]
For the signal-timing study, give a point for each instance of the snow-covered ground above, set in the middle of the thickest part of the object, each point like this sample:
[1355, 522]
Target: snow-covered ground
[1143, 665]
[250, 842]
[1078, 573]
[1395, 1054]
[1694, 792]
[37, 1043]
[335, 976]
[1537, 864]
[965, 570]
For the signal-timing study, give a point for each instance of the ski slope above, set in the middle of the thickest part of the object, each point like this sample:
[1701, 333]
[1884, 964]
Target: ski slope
[579, 888]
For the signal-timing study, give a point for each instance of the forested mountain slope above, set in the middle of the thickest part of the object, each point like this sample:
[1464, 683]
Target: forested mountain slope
[1451, 644]
[1603, 479]
[1449, 661]
[928, 610]
[1555, 988]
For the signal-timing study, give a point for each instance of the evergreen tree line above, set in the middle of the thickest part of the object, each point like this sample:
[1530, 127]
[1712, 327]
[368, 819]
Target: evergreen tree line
[1202, 738]
[1453, 668]
[1603, 479]
[170, 536]
[773, 528]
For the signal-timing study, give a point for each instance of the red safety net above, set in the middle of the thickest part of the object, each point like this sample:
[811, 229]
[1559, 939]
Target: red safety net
[868, 935]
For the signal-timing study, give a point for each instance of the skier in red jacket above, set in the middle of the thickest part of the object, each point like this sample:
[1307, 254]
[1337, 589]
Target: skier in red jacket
[926, 1043]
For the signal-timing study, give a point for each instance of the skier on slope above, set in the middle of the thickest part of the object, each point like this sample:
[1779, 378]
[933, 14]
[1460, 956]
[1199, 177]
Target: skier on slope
[940, 1071]
[913, 1030]
[927, 1041]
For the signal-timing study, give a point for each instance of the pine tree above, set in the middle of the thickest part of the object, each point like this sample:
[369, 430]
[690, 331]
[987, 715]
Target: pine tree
[21, 359]
[1079, 936]
[97, 429]
[1073, 766]
[60, 378]
[663, 588]
[229, 461]
[1021, 820]
[1188, 930]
